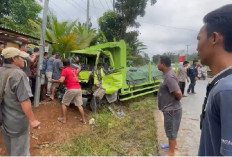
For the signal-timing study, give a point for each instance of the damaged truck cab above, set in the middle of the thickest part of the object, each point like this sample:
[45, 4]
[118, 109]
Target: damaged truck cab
[104, 67]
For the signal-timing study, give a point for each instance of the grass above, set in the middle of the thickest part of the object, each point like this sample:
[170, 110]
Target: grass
[133, 134]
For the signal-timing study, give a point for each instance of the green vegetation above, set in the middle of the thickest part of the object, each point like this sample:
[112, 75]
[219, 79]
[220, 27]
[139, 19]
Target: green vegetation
[23, 16]
[115, 25]
[15, 14]
[134, 134]
[175, 57]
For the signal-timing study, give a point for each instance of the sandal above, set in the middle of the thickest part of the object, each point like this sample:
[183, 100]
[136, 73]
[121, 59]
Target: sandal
[82, 121]
[50, 99]
[166, 146]
[60, 119]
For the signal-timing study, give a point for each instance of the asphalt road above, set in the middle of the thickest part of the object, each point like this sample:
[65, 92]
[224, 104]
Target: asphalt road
[189, 133]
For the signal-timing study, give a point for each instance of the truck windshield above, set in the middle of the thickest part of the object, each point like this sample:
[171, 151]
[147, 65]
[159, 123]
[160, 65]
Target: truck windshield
[87, 62]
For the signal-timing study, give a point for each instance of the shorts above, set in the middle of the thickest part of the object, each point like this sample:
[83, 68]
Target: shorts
[172, 121]
[73, 95]
[55, 85]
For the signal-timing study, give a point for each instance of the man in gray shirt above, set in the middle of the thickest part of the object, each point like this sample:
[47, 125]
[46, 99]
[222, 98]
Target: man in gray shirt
[76, 64]
[48, 72]
[169, 96]
[16, 106]
[56, 74]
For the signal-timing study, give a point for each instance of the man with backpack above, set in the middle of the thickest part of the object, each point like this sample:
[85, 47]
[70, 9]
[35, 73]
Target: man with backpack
[192, 74]
[15, 106]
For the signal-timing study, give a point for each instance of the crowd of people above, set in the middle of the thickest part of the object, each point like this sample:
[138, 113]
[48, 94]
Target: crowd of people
[17, 82]
[215, 50]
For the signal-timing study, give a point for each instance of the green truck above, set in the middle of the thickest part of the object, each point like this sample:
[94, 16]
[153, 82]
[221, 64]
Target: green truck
[105, 66]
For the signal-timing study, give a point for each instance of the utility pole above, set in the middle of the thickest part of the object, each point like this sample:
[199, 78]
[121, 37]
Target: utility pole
[41, 56]
[114, 5]
[187, 50]
[87, 20]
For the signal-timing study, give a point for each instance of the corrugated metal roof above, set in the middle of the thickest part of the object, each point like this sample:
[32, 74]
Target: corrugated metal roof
[3, 28]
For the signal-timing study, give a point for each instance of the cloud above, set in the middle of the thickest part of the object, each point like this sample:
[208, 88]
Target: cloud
[170, 25]
[167, 26]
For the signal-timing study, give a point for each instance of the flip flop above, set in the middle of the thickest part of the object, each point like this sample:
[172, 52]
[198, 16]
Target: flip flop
[60, 119]
[165, 146]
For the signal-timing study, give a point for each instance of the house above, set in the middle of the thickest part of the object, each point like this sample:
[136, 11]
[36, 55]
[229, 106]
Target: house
[13, 38]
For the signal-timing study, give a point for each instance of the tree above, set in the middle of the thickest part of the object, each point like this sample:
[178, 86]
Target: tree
[155, 58]
[137, 60]
[146, 58]
[129, 10]
[115, 25]
[110, 24]
[15, 14]
[173, 56]
[138, 47]
[192, 56]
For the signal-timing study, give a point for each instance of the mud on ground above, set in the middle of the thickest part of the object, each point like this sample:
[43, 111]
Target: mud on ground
[44, 141]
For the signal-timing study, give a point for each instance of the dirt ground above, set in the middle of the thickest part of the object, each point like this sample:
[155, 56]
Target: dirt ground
[52, 132]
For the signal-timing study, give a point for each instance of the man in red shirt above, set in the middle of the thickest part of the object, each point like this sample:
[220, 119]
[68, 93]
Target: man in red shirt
[73, 94]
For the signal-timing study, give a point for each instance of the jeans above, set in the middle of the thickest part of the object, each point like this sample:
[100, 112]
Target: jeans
[182, 87]
[192, 85]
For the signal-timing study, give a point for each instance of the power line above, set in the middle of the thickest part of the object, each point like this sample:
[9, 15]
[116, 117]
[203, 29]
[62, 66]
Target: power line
[60, 9]
[187, 29]
[76, 5]
[94, 8]
[85, 4]
[102, 5]
[52, 10]
[107, 4]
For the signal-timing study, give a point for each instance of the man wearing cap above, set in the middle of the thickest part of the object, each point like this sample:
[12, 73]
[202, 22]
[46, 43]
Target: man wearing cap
[28, 59]
[16, 106]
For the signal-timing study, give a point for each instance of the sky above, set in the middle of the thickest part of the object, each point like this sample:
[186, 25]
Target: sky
[168, 26]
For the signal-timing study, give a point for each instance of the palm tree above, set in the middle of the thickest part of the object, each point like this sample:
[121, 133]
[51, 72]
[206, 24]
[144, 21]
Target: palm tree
[61, 33]
[67, 36]
[84, 36]
[138, 47]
